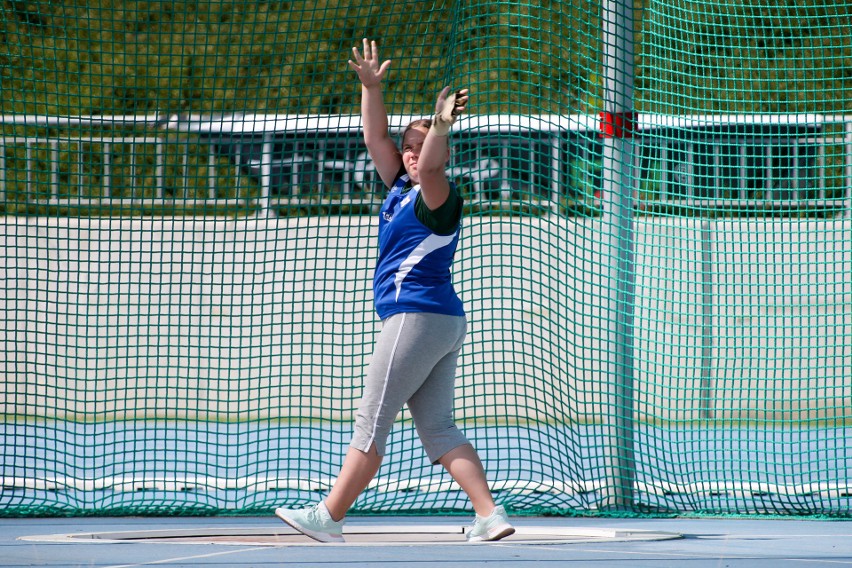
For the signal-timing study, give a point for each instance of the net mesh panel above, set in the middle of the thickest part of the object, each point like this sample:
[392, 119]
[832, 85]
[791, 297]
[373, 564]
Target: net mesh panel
[189, 238]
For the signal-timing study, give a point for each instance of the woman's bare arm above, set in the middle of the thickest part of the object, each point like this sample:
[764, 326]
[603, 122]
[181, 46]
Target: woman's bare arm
[382, 148]
[434, 185]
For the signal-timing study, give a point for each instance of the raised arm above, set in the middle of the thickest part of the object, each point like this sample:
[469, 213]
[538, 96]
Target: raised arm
[434, 185]
[382, 149]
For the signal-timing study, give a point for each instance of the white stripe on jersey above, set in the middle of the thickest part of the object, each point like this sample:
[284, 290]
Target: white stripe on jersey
[430, 244]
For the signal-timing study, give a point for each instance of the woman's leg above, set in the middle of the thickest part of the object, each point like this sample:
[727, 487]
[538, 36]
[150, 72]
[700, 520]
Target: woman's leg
[464, 465]
[357, 471]
[432, 410]
[408, 348]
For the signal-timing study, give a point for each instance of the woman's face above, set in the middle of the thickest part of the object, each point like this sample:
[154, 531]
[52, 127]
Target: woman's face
[412, 143]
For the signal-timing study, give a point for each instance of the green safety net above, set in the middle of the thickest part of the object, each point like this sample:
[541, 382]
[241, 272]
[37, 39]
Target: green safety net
[656, 257]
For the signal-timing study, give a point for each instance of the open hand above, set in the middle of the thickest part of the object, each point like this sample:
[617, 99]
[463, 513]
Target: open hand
[369, 71]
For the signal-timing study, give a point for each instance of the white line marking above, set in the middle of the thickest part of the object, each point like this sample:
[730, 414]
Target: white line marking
[182, 558]
[818, 561]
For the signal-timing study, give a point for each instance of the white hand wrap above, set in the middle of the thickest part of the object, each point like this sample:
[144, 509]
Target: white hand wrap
[445, 117]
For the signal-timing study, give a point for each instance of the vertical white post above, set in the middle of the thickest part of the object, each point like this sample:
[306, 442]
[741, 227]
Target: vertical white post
[3, 170]
[107, 183]
[618, 245]
[556, 172]
[266, 177]
[160, 168]
[211, 172]
[53, 156]
[848, 150]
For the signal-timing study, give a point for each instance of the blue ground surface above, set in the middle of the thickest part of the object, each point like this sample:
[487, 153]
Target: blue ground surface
[734, 543]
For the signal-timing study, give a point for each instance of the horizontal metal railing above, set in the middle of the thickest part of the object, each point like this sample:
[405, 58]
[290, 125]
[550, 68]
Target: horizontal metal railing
[767, 163]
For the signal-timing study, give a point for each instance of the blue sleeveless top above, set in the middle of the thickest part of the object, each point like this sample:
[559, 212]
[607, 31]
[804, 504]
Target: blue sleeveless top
[413, 269]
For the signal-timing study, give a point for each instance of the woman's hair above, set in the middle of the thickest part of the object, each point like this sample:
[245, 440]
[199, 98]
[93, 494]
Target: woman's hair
[420, 122]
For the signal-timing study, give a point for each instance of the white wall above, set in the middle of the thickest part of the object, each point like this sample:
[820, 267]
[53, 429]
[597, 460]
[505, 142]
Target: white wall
[256, 319]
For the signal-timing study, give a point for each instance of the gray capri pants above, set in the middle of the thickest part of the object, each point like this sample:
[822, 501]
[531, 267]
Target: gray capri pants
[414, 362]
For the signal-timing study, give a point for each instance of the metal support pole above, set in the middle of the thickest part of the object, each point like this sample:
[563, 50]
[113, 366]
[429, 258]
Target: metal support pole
[618, 241]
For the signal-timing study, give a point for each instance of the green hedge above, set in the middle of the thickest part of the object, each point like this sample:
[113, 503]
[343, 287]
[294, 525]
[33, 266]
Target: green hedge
[127, 57]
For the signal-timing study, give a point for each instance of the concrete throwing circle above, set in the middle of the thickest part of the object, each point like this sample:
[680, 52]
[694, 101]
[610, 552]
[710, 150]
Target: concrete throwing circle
[359, 535]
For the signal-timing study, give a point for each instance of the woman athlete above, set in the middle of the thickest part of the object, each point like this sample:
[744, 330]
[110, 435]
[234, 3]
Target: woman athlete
[423, 320]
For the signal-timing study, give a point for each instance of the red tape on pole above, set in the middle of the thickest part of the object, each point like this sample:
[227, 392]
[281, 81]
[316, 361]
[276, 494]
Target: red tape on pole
[617, 124]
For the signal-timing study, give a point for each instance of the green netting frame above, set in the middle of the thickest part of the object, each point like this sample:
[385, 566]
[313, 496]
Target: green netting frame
[660, 320]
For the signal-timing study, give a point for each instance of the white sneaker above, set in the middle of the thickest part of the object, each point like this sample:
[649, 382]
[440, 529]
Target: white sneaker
[315, 522]
[493, 527]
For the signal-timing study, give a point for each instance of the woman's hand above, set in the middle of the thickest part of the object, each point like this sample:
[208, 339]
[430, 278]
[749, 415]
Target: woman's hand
[449, 105]
[447, 108]
[369, 71]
